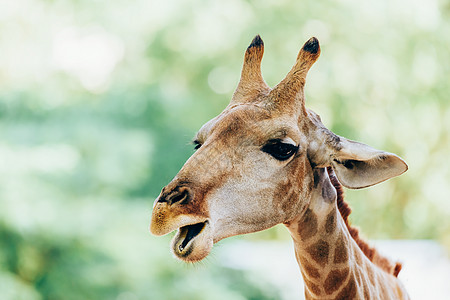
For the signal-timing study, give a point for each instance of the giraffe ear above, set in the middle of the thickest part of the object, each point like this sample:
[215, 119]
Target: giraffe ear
[357, 165]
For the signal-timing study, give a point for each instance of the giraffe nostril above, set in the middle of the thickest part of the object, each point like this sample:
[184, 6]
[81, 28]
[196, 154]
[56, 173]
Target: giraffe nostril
[180, 195]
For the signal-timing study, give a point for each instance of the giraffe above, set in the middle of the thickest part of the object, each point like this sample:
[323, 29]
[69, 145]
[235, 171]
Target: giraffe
[268, 160]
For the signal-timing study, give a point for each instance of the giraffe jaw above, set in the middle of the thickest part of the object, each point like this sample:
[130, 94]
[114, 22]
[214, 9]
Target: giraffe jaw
[193, 242]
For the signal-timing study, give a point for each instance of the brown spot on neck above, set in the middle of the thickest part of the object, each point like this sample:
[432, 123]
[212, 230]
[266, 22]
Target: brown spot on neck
[349, 292]
[319, 252]
[340, 251]
[307, 226]
[312, 287]
[309, 270]
[330, 223]
[335, 279]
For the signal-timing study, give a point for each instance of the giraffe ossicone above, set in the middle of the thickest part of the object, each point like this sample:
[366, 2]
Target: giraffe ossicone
[268, 160]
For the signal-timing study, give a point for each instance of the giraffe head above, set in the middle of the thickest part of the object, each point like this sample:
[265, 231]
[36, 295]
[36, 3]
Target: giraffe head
[255, 162]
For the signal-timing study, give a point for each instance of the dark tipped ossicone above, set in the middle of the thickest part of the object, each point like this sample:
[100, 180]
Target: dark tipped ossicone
[311, 46]
[256, 42]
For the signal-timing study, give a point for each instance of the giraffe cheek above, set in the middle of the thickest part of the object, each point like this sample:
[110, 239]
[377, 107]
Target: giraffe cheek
[286, 200]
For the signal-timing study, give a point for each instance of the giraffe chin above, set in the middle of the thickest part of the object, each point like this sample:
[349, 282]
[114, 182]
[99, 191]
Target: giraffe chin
[192, 243]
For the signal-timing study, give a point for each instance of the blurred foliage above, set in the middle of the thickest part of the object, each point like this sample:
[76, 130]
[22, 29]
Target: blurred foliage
[99, 100]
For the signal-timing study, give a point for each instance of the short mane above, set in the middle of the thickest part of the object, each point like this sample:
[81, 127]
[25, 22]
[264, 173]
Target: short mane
[372, 254]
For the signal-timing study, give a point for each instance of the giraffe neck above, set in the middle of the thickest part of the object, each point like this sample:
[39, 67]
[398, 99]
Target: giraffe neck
[332, 264]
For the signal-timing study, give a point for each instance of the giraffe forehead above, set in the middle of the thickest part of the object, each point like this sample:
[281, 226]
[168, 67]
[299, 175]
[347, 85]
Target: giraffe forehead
[250, 122]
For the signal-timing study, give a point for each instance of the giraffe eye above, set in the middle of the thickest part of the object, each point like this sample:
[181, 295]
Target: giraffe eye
[279, 150]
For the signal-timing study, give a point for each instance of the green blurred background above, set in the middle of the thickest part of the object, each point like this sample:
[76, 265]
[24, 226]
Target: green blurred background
[99, 100]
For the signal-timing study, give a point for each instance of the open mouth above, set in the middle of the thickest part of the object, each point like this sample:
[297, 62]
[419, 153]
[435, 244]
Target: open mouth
[193, 242]
[188, 233]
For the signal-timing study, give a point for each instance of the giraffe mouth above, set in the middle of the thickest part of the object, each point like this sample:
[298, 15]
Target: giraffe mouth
[189, 232]
[192, 242]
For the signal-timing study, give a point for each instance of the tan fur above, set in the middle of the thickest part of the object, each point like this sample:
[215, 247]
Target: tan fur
[238, 182]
